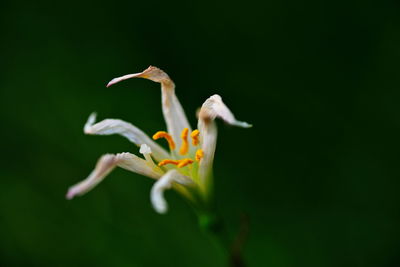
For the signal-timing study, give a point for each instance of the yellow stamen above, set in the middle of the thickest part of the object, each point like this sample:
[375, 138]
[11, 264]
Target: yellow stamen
[162, 134]
[184, 162]
[185, 145]
[168, 161]
[199, 154]
[195, 135]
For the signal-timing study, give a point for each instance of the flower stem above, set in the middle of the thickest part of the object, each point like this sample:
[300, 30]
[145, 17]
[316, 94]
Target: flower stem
[215, 227]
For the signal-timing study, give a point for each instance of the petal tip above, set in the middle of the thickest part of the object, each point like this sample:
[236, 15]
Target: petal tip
[214, 107]
[113, 81]
[70, 194]
[161, 209]
[87, 129]
[122, 78]
[243, 124]
[158, 202]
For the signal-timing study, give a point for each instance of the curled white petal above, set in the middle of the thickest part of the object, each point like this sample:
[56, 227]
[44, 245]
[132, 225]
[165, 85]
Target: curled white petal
[129, 131]
[106, 164]
[164, 183]
[208, 132]
[152, 73]
[122, 78]
[89, 123]
[103, 167]
[211, 109]
[174, 114]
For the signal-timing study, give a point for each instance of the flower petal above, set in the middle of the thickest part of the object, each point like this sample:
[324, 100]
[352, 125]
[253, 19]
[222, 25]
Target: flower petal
[103, 167]
[134, 134]
[106, 164]
[174, 115]
[138, 165]
[212, 108]
[164, 183]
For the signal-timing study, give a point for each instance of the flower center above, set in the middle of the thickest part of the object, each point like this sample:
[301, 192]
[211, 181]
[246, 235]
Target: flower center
[184, 149]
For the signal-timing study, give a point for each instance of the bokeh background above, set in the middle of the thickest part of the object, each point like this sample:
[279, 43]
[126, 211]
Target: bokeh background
[318, 174]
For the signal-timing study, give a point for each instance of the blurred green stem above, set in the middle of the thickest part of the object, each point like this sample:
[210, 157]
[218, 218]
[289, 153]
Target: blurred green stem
[214, 225]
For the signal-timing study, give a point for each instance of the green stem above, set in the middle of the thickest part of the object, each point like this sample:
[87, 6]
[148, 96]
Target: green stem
[214, 226]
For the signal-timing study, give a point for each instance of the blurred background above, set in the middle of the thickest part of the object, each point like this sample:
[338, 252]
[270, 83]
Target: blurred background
[318, 174]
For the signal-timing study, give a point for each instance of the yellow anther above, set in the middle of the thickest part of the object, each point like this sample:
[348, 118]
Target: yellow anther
[162, 134]
[195, 135]
[168, 161]
[199, 154]
[184, 162]
[185, 145]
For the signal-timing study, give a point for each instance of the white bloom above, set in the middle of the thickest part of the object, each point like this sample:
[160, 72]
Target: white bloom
[186, 167]
[166, 182]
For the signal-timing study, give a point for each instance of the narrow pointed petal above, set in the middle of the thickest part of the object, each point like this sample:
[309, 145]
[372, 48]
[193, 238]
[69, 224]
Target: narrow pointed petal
[138, 165]
[152, 73]
[212, 108]
[129, 131]
[164, 183]
[122, 78]
[106, 164]
[103, 167]
[174, 115]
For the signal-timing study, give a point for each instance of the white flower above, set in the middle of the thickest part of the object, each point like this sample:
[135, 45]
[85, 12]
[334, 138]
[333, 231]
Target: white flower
[186, 167]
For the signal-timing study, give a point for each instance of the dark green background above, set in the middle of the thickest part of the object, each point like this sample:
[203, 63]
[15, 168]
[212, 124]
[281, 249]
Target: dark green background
[318, 174]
